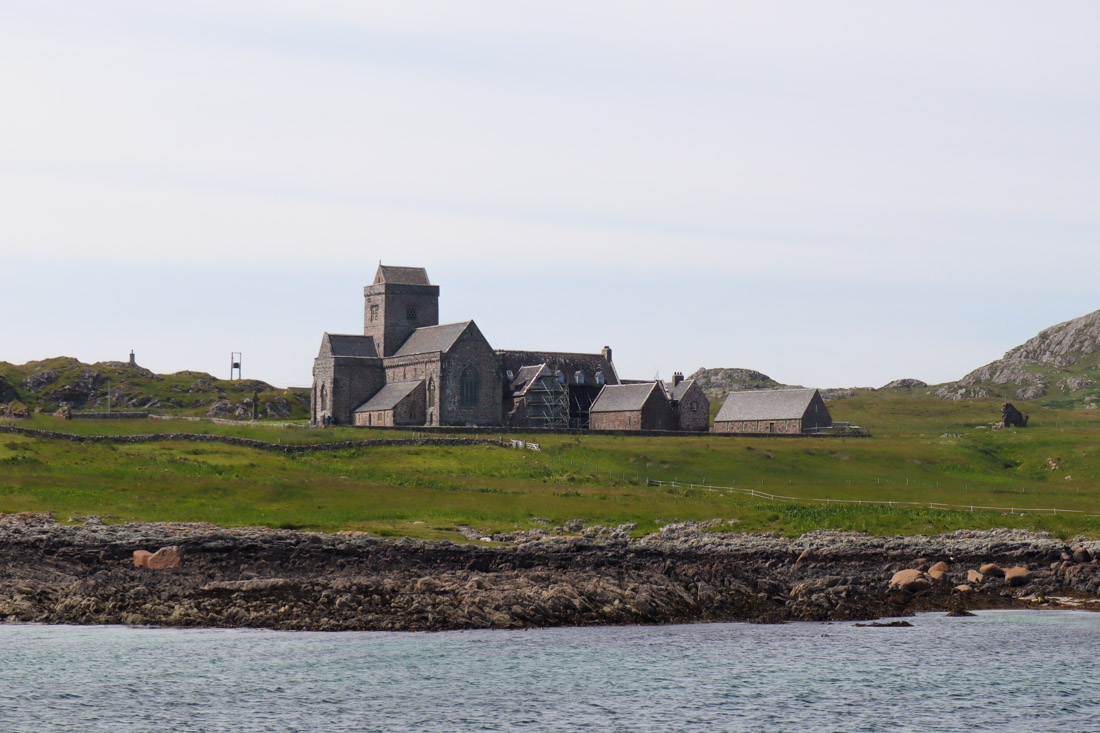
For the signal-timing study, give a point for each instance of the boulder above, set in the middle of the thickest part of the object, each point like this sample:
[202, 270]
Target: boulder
[910, 580]
[991, 570]
[973, 576]
[964, 588]
[162, 559]
[141, 557]
[1080, 554]
[937, 575]
[1018, 575]
[941, 566]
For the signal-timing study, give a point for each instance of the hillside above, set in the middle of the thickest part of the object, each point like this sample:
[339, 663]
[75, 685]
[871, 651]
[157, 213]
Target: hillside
[1059, 367]
[51, 383]
[717, 383]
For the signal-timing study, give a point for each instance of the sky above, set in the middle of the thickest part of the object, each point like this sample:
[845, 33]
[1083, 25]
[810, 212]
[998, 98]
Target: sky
[835, 194]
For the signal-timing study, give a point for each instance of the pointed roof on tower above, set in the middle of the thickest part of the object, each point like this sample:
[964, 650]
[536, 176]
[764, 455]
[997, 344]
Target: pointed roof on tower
[401, 275]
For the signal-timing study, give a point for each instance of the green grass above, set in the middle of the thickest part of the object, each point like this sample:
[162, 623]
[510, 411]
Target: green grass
[922, 450]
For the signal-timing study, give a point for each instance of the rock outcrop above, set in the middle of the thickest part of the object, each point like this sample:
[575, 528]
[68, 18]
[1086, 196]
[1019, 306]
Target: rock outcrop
[256, 577]
[718, 383]
[906, 384]
[1027, 371]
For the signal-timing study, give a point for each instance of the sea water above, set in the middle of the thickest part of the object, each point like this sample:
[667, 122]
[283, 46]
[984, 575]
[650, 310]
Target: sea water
[1000, 670]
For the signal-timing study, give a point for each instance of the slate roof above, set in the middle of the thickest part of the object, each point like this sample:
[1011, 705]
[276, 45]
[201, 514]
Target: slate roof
[432, 338]
[401, 275]
[338, 344]
[570, 363]
[524, 377]
[623, 397]
[389, 396]
[677, 392]
[766, 404]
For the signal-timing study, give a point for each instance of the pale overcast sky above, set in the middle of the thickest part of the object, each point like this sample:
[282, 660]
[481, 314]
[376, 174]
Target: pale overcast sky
[834, 193]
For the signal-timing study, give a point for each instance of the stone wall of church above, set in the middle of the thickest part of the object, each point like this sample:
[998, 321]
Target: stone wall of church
[471, 351]
[341, 384]
[392, 312]
[426, 367]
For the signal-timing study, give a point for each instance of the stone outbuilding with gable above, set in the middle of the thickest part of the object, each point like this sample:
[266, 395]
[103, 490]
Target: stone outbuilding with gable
[638, 406]
[690, 404]
[773, 411]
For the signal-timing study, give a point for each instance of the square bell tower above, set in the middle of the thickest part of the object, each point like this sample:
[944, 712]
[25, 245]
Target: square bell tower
[400, 300]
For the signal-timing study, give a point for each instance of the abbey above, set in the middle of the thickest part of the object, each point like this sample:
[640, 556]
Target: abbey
[407, 369]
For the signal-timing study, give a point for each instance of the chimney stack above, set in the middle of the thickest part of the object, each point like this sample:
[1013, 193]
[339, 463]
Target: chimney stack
[607, 353]
[133, 362]
[677, 377]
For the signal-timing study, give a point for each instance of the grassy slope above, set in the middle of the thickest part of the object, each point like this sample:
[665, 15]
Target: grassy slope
[923, 450]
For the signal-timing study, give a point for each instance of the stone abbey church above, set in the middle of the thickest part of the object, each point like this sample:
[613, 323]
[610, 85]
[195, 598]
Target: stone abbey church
[407, 369]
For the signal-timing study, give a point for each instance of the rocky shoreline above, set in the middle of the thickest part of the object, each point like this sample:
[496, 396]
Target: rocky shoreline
[256, 577]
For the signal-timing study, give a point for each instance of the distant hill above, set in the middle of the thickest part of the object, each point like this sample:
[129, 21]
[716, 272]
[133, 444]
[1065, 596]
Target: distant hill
[1060, 367]
[52, 383]
[717, 383]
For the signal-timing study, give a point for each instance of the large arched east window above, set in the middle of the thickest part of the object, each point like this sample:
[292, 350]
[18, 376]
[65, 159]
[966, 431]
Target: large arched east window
[469, 387]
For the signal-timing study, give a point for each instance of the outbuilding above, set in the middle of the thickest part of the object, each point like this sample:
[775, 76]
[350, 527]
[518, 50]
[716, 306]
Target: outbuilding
[689, 404]
[774, 411]
[642, 406]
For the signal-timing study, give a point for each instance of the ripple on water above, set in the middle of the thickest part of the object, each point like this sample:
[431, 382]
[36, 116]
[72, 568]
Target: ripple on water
[1004, 670]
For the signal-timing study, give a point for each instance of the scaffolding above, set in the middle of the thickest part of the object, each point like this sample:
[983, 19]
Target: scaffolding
[547, 402]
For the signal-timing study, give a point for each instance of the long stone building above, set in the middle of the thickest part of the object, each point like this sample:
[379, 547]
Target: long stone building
[407, 369]
[778, 411]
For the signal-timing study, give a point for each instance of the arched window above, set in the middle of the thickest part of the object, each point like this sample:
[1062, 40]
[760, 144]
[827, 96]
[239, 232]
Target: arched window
[431, 391]
[469, 387]
[324, 406]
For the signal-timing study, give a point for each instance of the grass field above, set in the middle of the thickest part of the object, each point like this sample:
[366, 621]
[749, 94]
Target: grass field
[921, 450]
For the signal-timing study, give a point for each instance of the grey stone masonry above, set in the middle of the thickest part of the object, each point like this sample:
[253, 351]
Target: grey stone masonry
[392, 311]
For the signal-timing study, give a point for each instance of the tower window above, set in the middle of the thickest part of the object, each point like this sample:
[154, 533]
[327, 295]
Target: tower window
[410, 314]
[373, 312]
[469, 387]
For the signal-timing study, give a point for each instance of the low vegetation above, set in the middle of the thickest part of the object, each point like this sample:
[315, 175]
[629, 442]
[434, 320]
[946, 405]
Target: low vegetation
[921, 450]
